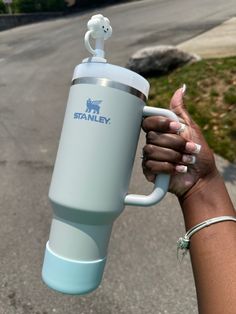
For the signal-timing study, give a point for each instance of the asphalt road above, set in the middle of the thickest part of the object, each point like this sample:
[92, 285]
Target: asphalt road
[36, 63]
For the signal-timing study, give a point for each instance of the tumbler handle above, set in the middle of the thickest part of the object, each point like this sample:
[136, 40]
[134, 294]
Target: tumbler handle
[162, 180]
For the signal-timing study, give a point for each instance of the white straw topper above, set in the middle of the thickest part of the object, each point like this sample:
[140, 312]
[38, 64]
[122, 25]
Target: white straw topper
[99, 28]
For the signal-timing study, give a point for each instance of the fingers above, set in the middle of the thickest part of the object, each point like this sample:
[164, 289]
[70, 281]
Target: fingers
[170, 147]
[156, 153]
[178, 107]
[162, 124]
[167, 140]
[156, 123]
[151, 168]
[164, 153]
[167, 153]
[148, 174]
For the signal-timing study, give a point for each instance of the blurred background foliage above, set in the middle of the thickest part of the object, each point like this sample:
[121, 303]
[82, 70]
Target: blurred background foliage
[210, 99]
[31, 6]
[3, 8]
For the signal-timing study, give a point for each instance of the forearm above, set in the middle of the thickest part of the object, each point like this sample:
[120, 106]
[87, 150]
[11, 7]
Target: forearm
[207, 199]
[213, 247]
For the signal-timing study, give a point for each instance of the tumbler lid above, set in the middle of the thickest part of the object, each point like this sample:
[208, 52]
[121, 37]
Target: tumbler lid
[96, 66]
[113, 73]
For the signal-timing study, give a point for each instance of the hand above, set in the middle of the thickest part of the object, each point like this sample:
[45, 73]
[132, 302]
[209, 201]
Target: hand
[169, 152]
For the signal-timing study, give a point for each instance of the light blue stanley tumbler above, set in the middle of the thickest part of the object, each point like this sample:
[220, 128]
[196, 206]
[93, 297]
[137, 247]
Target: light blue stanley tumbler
[93, 166]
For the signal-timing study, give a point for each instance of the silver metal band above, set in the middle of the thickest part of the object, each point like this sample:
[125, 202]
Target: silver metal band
[109, 83]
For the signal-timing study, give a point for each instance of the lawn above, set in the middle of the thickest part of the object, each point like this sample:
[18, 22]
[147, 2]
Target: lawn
[210, 99]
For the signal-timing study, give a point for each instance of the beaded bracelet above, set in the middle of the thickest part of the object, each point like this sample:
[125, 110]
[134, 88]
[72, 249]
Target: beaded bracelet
[184, 242]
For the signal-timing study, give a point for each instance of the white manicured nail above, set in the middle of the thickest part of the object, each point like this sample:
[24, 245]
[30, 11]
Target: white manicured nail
[184, 87]
[193, 147]
[197, 149]
[177, 126]
[181, 168]
[189, 159]
[182, 128]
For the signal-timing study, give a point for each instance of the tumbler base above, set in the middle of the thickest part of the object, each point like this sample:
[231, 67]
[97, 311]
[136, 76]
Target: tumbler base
[71, 276]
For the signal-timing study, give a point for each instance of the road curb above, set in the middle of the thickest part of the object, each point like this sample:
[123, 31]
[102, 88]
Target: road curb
[218, 42]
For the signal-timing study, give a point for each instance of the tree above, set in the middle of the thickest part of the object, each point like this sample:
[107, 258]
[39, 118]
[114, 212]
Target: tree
[3, 8]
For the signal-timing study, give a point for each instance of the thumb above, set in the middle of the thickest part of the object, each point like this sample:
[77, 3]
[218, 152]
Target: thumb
[178, 107]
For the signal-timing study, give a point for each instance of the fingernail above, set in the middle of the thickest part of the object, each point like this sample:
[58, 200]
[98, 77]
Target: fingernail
[184, 87]
[189, 159]
[181, 168]
[177, 126]
[193, 147]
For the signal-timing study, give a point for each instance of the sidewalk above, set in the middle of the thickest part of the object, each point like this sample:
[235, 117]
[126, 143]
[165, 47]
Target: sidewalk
[216, 43]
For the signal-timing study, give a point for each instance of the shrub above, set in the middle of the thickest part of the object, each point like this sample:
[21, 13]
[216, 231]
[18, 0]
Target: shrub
[28, 6]
[3, 8]
[25, 6]
[55, 5]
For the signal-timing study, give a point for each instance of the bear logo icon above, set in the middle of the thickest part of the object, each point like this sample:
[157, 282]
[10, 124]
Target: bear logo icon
[93, 106]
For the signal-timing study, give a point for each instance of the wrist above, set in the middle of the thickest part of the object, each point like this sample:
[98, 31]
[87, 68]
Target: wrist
[208, 198]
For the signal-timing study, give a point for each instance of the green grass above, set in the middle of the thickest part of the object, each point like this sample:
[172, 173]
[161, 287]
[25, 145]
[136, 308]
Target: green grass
[210, 99]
